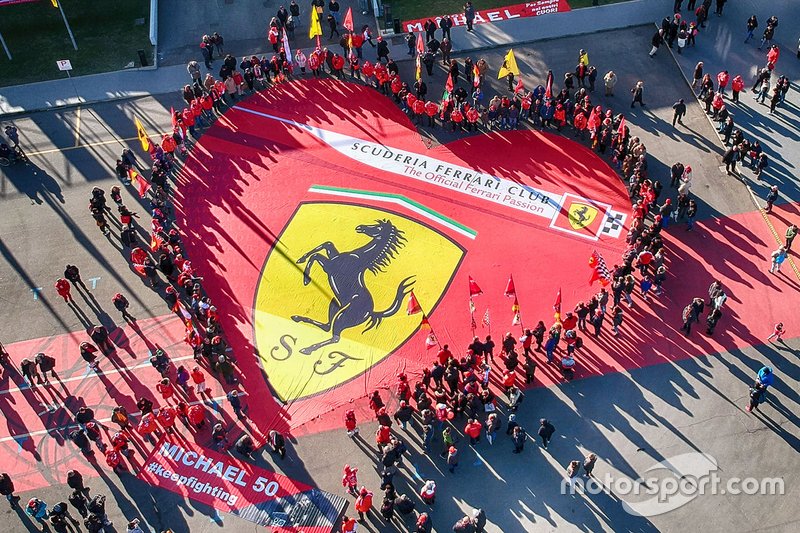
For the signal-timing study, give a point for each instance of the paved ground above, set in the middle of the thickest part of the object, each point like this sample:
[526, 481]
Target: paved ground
[631, 421]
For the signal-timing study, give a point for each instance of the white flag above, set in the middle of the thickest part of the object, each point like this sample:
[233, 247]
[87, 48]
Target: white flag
[286, 48]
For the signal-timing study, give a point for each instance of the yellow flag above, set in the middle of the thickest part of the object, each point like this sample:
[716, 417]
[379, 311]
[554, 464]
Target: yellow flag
[143, 138]
[509, 65]
[54, 2]
[315, 29]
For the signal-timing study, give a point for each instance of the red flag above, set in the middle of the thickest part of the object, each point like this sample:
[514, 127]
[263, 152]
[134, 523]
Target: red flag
[476, 76]
[594, 118]
[448, 86]
[621, 131]
[474, 290]
[548, 89]
[510, 289]
[425, 325]
[413, 304]
[348, 19]
[420, 44]
[155, 242]
[519, 87]
[431, 341]
[557, 305]
[174, 118]
[143, 185]
[599, 270]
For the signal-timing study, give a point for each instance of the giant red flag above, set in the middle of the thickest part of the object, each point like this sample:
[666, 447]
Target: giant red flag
[474, 290]
[511, 291]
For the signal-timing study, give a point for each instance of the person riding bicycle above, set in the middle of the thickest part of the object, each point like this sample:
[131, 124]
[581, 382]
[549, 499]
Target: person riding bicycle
[13, 135]
[6, 152]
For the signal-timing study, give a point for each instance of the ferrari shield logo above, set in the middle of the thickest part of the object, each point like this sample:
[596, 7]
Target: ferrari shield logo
[330, 303]
[581, 215]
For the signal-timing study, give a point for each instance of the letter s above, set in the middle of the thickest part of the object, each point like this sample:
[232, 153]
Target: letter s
[286, 346]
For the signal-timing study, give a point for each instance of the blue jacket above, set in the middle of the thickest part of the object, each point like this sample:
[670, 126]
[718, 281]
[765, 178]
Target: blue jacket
[766, 377]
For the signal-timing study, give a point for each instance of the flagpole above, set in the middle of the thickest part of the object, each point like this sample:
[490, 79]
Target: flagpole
[427, 318]
[519, 312]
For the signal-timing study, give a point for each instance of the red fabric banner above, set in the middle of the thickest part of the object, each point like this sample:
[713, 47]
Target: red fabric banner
[486, 16]
[240, 488]
[9, 2]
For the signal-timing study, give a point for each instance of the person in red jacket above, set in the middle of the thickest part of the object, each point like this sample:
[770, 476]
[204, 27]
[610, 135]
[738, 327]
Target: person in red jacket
[368, 70]
[580, 123]
[165, 388]
[431, 109]
[350, 479]
[338, 65]
[147, 426]
[314, 63]
[737, 86]
[472, 119]
[383, 436]
[197, 416]
[473, 431]
[419, 109]
[188, 120]
[166, 417]
[363, 503]
[63, 288]
[349, 525]
[355, 67]
[456, 117]
[722, 80]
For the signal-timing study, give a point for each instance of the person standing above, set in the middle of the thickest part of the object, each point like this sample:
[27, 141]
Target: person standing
[752, 24]
[7, 489]
[791, 233]
[729, 158]
[638, 94]
[445, 24]
[452, 459]
[573, 471]
[616, 319]
[546, 431]
[712, 320]
[656, 41]
[737, 85]
[469, 15]
[772, 196]
[37, 509]
[777, 332]
[679, 111]
[610, 81]
[778, 257]
[63, 289]
[588, 464]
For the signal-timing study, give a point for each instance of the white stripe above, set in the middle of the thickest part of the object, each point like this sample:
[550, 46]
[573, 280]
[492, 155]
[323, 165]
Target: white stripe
[397, 201]
[103, 420]
[103, 372]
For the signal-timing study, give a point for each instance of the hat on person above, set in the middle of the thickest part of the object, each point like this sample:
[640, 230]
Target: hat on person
[452, 449]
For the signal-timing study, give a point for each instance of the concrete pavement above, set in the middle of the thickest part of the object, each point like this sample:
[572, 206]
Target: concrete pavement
[243, 25]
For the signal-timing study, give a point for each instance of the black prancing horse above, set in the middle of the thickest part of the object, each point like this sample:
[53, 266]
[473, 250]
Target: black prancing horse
[352, 303]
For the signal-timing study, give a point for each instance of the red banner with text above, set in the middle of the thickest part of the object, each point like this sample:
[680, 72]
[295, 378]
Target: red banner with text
[240, 488]
[485, 16]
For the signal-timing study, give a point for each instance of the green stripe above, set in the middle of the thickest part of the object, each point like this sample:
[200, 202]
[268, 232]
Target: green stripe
[400, 197]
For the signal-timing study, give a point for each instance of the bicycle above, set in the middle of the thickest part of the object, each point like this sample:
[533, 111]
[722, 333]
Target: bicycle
[15, 157]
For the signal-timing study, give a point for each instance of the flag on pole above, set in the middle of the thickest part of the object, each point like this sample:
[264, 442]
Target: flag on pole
[448, 88]
[315, 29]
[431, 341]
[418, 72]
[548, 87]
[138, 181]
[486, 321]
[425, 325]
[155, 241]
[599, 269]
[173, 117]
[420, 44]
[348, 20]
[474, 290]
[557, 306]
[286, 48]
[621, 130]
[473, 325]
[510, 289]
[509, 66]
[471, 305]
[413, 304]
[476, 76]
[142, 135]
[517, 320]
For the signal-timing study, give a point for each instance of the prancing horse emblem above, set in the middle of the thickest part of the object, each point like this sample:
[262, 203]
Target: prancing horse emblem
[352, 304]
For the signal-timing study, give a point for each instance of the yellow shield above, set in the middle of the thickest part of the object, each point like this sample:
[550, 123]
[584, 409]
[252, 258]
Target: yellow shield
[331, 301]
[581, 215]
